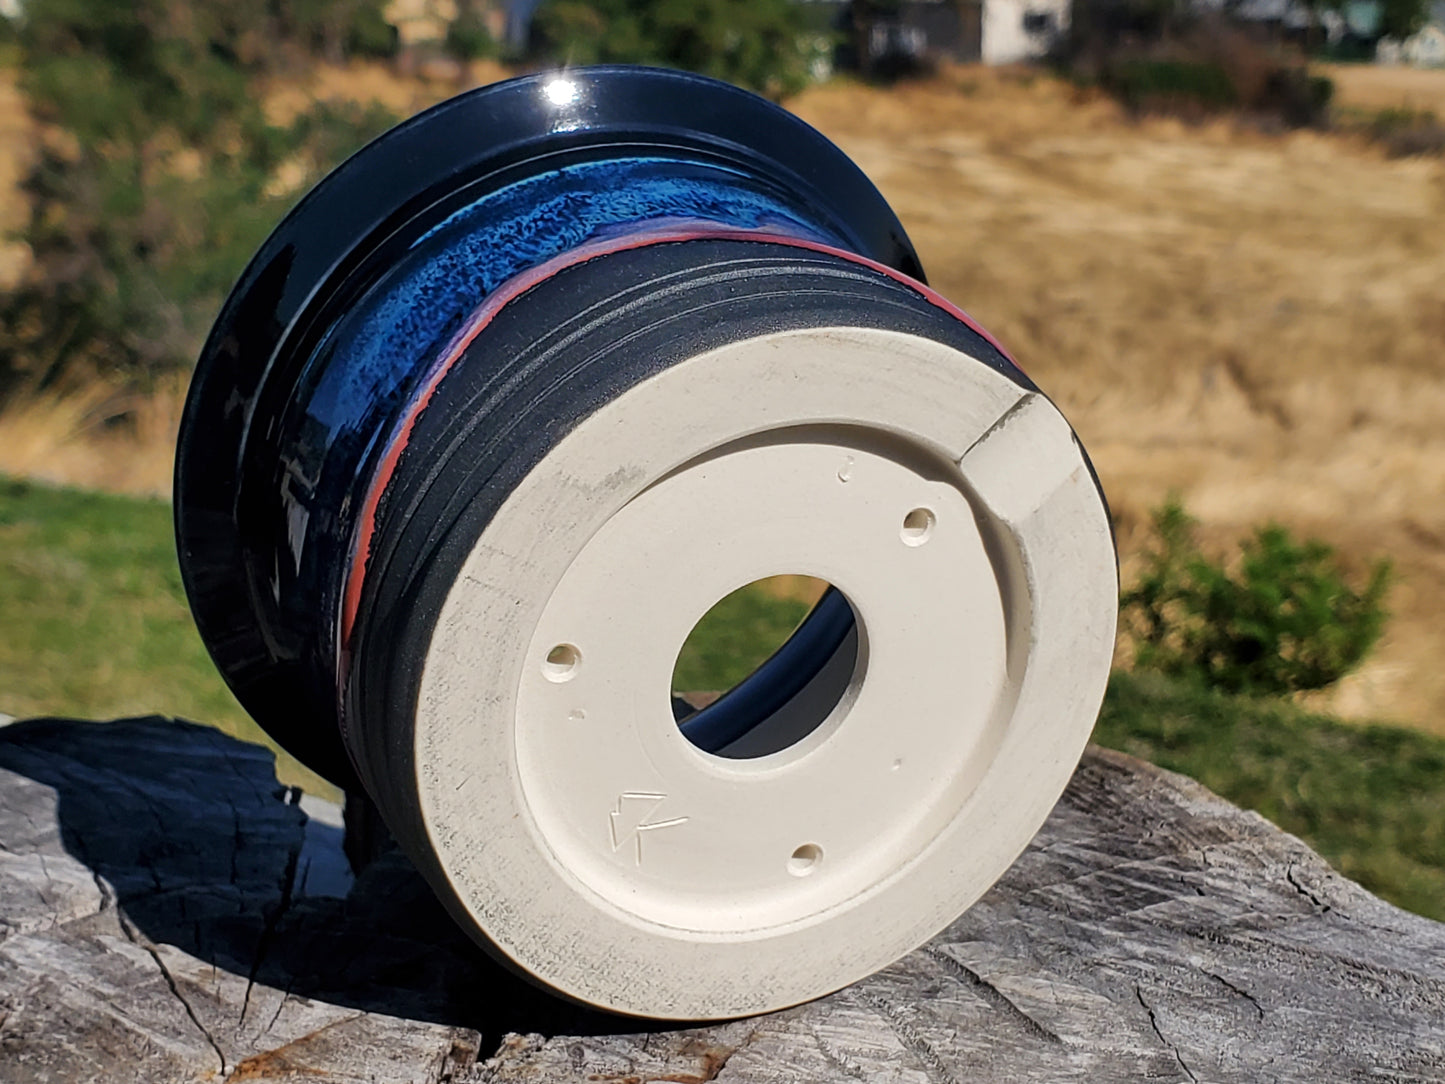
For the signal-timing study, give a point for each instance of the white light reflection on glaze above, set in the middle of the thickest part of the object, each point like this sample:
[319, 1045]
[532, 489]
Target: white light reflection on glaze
[560, 91]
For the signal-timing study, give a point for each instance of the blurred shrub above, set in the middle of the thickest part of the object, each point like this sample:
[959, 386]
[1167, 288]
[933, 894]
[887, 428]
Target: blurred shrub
[764, 45]
[1158, 56]
[1406, 132]
[158, 173]
[468, 37]
[1284, 619]
[1401, 19]
[1302, 99]
[330, 132]
[1215, 68]
[369, 34]
[1143, 83]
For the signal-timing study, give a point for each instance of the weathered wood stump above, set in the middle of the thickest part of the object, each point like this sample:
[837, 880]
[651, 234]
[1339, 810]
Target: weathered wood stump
[170, 913]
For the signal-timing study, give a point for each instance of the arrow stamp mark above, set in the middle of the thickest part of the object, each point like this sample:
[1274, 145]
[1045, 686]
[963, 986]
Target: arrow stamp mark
[629, 820]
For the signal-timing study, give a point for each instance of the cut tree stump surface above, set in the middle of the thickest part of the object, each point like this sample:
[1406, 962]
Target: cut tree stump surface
[168, 912]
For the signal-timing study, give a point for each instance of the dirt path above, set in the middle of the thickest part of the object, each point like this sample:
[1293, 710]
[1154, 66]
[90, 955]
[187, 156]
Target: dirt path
[1256, 322]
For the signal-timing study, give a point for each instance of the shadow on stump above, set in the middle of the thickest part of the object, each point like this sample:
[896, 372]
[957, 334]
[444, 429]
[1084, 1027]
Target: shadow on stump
[203, 849]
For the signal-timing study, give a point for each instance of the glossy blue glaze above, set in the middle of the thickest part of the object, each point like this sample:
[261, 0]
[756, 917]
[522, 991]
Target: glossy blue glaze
[457, 263]
[346, 401]
[333, 328]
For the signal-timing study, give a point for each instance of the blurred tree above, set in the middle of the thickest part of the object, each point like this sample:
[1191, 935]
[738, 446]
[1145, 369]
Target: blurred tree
[764, 45]
[863, 17]
[156, 177]
[1401, 19]
[1316, 10]
[468, 36]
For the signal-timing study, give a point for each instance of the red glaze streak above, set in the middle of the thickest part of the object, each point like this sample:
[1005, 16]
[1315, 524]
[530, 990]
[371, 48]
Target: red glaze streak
[495, 301]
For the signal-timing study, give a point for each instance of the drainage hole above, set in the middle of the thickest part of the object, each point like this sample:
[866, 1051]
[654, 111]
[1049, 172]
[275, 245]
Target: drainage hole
[805, 859]
[917, 526]
[741, 631]
[754, 677]
[562, 662]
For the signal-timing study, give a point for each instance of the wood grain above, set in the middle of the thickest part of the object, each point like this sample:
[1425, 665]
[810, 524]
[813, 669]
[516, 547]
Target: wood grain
[168, 912]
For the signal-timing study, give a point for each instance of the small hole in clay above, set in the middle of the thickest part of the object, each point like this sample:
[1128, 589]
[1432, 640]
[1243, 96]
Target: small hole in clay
[805, 859]
[562, 662]
[917, 526]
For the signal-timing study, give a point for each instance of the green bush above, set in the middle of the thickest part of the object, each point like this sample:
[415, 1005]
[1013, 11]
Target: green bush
[1143, 83]
[1158, 56]
[156, 177]
[371, 35]
[1298, 98]
[469, 39]
[764, 45]
[1400, 19]
[330, 132]
[1407, 132]
[1285, 619]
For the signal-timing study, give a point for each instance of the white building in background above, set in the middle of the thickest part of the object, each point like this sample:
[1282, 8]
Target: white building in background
[422, 23]
[1425, 49]
[993, 31]
[1015, 30]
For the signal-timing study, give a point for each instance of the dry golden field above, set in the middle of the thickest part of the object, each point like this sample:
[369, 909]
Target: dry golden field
[1376, 86]
[15, 143]
[1255, 321]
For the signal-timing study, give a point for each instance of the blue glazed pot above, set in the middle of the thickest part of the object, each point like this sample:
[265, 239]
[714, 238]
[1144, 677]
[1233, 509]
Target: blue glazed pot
[317, 359]
[535, 377]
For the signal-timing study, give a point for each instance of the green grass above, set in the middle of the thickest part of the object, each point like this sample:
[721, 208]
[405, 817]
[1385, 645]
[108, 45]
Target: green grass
[1371, 799]
[96, 626]
[733, 637]
[95, 623]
